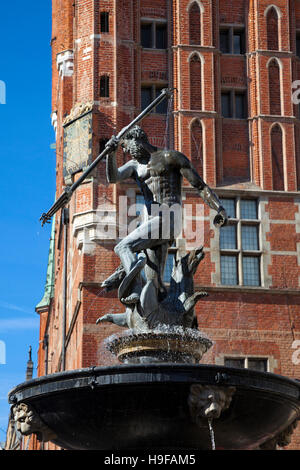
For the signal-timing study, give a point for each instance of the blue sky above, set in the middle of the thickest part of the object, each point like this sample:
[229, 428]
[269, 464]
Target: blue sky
[27, 182]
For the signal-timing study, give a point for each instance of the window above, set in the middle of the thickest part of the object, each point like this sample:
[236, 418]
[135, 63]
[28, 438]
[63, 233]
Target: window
[240, 253]
[170, 263]
[146, 35]
[298, 44]
[154, 35]
[232, 40]
[238, 42]
[272, 30]
[234, 104]
[169, 268]
[196, 136]
[149, 93]
[253, 363]
[274, 88]
[102, 144]
[240, 105]
[104, 22]
[141, 211]
[195, 24]
[226, 104]
[277, 158]
[195, 82]
[224, 42]
[104, 86]
[161, 36]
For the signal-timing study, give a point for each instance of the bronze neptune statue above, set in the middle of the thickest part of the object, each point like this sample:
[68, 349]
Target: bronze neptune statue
[158, 173]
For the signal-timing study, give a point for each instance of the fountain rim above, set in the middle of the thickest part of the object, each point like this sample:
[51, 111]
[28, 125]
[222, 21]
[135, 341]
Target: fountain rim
[139, 374]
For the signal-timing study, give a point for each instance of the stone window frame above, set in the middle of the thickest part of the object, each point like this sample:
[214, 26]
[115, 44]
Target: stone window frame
[272, 363]
[104, 86]
[191, 58]
[279, 19]
[281, 91]
[201, 11]
[233, 92]
[154, 22]
[200, 122]
[232, 28]
[104, 22]
[284, 172]
[297, 37]
[154, 86]
[239, 252]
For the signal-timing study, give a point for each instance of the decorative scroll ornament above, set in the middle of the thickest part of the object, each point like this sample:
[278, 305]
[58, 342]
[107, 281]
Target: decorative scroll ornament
[77, 111]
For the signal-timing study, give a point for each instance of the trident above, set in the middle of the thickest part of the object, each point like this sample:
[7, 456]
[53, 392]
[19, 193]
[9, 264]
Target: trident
[69, 190]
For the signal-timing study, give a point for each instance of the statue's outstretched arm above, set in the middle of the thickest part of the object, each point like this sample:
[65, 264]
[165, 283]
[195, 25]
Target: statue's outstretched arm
[206, 193]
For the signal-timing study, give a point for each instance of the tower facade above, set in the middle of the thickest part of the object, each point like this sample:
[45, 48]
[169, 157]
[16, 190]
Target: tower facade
[234, 65]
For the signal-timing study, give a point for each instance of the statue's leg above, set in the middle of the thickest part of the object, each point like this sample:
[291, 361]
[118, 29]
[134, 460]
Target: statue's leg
[144, 237]
[154, 271]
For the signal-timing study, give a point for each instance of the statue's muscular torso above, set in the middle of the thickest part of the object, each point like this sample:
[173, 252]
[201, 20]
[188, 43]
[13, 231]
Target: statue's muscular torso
[160, 179]
[159, 176]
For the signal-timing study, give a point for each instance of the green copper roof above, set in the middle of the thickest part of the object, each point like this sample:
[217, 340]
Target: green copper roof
[49, 287]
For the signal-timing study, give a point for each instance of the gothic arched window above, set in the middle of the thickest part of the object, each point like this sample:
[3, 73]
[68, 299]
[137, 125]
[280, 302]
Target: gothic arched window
[195, 24]
[274, 88]
[195, 83]
[277, 158]
[197, 146]
[272, 30]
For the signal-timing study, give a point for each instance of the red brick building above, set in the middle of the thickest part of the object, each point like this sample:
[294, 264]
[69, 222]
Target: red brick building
[233, 64]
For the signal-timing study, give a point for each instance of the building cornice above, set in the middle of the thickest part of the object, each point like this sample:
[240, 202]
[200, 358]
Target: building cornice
[274, 118]
[195, 47]
[267, 53]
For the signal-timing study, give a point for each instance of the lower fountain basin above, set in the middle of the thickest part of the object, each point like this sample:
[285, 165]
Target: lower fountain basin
[146, 407]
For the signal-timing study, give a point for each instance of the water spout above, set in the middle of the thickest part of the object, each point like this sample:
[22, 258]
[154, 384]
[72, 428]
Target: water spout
[212, 434]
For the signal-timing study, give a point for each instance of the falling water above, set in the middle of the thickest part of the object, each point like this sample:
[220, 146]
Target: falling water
[212, 434]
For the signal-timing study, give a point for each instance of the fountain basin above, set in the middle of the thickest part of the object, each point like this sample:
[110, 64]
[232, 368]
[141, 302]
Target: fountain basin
[145, 407]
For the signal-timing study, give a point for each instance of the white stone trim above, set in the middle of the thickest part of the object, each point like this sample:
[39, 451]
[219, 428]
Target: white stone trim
[200, 5]
[65, 63]
[87, 227]
[269, 7]
[54, 121]
[266, 278]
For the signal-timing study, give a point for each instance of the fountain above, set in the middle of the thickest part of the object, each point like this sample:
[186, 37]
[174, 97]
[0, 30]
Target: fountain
[159, 396]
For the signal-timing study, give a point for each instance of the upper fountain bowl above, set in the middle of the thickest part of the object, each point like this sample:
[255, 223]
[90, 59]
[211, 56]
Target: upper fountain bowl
[176, 345]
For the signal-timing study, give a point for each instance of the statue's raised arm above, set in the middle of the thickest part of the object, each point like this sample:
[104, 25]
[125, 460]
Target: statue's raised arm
[113, 173]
